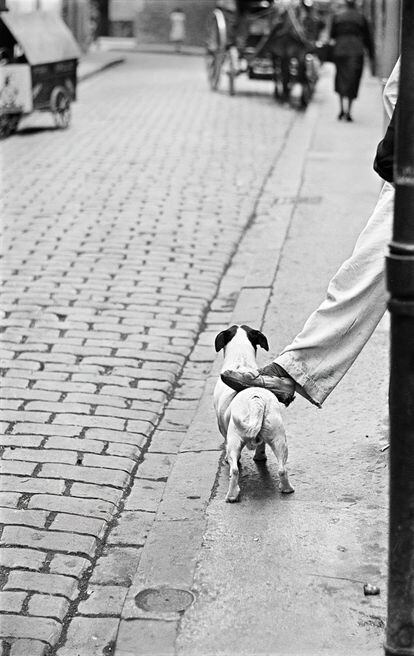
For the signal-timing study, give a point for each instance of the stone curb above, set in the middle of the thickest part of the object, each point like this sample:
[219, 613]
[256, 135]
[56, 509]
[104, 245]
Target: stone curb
[100, 67]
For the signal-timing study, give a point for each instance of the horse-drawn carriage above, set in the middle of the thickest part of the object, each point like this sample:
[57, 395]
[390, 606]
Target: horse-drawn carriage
[38, 63]
[264, 39]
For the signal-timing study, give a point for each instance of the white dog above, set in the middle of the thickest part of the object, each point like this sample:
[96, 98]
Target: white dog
[251, 417]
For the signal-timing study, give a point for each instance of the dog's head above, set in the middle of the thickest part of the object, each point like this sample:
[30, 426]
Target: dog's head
[255, 337]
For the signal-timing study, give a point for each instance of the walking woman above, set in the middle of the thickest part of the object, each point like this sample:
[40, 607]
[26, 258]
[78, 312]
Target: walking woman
[351, 33]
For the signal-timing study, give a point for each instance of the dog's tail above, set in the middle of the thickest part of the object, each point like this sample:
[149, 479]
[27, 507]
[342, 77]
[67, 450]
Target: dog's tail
[250, 423]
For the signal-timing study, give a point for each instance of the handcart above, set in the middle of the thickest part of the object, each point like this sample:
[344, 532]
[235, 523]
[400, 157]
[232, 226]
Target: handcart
[38, 65]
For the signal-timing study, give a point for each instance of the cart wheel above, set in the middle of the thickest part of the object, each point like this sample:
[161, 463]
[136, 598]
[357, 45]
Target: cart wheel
[231, 68]
[60, 106]
[8, 124]
[215, 47]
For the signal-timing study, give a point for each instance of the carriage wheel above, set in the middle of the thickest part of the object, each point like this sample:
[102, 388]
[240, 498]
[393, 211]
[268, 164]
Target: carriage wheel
[215, 47]
[60, 105]
[231, 69]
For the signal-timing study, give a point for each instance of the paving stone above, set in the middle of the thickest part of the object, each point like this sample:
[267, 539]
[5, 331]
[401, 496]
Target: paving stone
[59, 407]
[42, 605]
[51, 540]
[106, 493]
[145, 495]
[69, 565]
[74, 444]
[23, 647]
[131, 414]
[85, 420]
[108, 461]
[164, 441]
[33, 485]
[85, 507]
[143, 427]
[103, 600]
[144, 637]
[20, 441]
[20, 364]
[9, 499]
[95, 399]
[131, 528]
[116, 566]
[97, 475]
[17, 626]
[78, 524]
[48, 357]
[17, 467]
[177, 419]
[25, 416]
[22, 558]
[10, 393]
[124, 450]
[134, 393]
[44, 429]
[89, 636]
[35, 518]
[11, 602]
[36, 455]
[65, 386]
[156, 466]
[42, 582]
[127, 437]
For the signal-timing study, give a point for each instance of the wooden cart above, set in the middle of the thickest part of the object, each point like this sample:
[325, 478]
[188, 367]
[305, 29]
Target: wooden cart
[38, 64]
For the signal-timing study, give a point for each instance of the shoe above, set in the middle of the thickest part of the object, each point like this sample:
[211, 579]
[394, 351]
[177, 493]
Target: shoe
[341, 116]
[349, 118]
[282, 387]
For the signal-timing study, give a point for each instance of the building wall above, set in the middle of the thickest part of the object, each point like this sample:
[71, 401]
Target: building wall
[149, 20]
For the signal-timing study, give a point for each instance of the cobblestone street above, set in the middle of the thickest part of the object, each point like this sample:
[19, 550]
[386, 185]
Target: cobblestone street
[117, 245]
[127, 248]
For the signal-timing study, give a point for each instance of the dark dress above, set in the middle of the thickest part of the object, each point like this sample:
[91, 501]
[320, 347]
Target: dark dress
[351, 33]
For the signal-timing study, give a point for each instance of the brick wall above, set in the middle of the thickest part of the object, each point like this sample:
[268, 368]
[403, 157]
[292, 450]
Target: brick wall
[152, 23]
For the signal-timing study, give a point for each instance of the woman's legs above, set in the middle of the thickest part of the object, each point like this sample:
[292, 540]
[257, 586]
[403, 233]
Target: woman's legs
[336, 332]
[348, 113]
[341, 108]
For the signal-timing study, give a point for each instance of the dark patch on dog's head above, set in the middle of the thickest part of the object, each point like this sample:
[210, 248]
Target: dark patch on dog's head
[225, 337]
[256, 338]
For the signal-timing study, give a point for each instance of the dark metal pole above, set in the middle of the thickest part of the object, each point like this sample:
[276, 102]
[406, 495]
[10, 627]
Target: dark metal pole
[400, 279]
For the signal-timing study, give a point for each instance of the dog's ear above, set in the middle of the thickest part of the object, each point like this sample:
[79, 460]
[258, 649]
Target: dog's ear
[256, 338]
[224, 337]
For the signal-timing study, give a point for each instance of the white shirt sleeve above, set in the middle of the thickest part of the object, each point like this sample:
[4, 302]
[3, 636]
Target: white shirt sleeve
[391, 89]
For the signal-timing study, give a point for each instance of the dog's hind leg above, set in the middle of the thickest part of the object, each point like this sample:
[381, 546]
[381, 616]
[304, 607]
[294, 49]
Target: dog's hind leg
[280, 449]
[233, 451]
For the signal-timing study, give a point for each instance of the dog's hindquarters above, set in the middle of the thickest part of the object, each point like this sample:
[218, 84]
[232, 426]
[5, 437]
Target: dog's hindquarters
[245, 423]
[256, 420]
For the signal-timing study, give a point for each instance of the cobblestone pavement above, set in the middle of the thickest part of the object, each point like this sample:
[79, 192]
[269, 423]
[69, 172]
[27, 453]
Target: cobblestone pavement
[118, 233]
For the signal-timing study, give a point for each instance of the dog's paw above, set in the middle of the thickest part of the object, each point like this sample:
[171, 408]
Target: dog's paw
[286, 489]
[233, 498]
